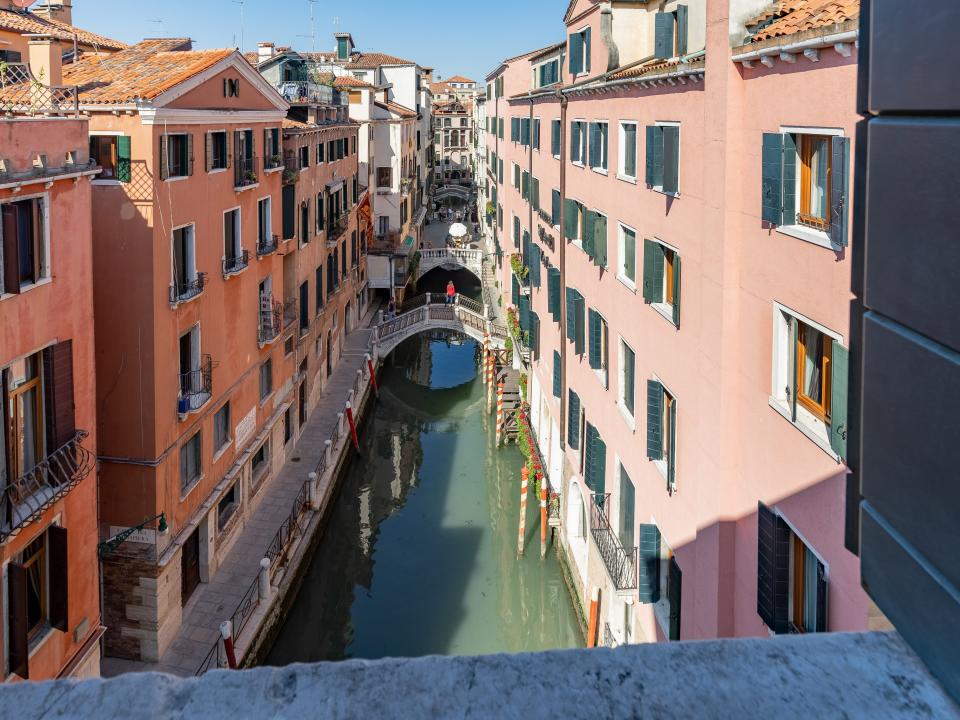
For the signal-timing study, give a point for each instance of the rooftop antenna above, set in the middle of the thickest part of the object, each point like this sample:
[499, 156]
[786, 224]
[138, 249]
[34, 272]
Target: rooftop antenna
[313, 27]
[240, 3]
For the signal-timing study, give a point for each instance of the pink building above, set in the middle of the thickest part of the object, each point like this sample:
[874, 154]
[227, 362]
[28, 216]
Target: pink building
[693, 422]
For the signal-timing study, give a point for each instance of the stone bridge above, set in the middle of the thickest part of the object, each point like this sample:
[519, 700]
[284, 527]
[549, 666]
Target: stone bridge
[451, 259]
[431, 312]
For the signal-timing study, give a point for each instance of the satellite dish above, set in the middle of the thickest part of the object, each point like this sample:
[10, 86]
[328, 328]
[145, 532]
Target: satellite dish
[23, 4]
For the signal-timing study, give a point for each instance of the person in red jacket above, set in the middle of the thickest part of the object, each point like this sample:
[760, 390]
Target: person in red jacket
[451, 291]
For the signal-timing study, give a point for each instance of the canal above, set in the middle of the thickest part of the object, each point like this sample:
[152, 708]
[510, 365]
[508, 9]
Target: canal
[419, 553]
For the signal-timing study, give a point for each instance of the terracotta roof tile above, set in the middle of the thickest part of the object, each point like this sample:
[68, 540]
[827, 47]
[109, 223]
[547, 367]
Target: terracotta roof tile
[348, 81]
[363, 61]
[788, 17]
[28, 22]
[459, 79]
[657, 67]
[397, 108]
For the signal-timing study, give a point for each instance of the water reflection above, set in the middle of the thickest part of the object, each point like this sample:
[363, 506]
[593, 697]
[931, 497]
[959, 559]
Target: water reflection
[419, 555]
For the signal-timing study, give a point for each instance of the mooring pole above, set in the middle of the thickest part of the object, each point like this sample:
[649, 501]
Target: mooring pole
[594, 617]
[226, 632]
[353, 427]
[486, 356]
[499, 412]
[524, 483]
[489, 370]
[373, 375]
[543, 516]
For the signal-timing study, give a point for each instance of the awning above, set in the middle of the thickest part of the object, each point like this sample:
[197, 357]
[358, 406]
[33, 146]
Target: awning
[419, 216]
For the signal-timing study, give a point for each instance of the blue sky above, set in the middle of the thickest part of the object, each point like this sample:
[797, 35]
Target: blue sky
[453, 37]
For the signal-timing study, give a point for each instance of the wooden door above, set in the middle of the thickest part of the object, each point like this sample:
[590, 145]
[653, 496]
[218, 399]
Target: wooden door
[190, 566]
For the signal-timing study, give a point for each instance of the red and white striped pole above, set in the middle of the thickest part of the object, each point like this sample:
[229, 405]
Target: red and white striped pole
[499, 412]
[226, 633]
[491, 364]
[524, 482]
[486, 355]
[543, 515]
[594, 617]
[353, 427]
[373, 375]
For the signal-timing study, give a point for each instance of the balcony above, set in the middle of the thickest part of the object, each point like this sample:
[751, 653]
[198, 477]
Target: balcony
[337, 227]
[621, 563]
[235, 264]
[272, 162]
[291, 169]
[270, 322]
[24, 500]
[245, 172]
[184, 290]
[21, 93]
[196, 388]
[268, 245]
[307, 92]
[290, 313]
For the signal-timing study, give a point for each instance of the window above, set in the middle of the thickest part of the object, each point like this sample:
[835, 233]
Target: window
[578, 142]
[259, 463]
[271, 148]
[627, 384]
[594, 460]
[663, 157]
[555, 208]
[216, 151]
[805, 184]
[500, 133]
[791, 578]
[578, 49]
[516, 231]
[516, 176]
[319, 213]
[547, 73]
[557, 366]
[627, 167]
[233, 260]
[661, 279]
[810, 379]
[186, 282]
[266, 380]
[573, 216]
[662, 431]
[228, 505]
[287, 425]
[555, 138]
[304, 222]
[627, 256]
[245, 172]
[599, 340]
[319, 282]
[320, 147]
[659, 580]
[670, 33]
[574, 421]
[598, 145]
[221, 428]
[627, 515]
[23, 412]
[384, 177]
[594, 236]
[264, 221]
[25, 246]
[575, 319]
[304, 156]
[176, 155]
[190, 463]
[112, 153]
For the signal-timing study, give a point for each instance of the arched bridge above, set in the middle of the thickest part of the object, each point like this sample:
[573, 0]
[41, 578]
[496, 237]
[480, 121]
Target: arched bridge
[443, 192]
[451, 259]
[432, 312]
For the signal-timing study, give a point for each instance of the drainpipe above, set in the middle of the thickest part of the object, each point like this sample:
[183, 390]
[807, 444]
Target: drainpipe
[562, 260]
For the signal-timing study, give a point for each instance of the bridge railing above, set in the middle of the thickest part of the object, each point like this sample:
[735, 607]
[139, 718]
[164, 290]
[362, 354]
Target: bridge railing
[433, 306]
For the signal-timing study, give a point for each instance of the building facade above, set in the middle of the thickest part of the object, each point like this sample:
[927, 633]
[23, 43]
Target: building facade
[697, 447]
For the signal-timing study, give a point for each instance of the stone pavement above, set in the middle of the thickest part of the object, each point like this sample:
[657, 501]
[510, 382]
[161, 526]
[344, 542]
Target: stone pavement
[214, 602]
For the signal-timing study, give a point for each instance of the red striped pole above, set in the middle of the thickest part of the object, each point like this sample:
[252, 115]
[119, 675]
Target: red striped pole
[594, 617]
[524, 482]
[490, 373]
[373, 376]
[543, 516]
[499, 412]
[226, 632]
[353, 427]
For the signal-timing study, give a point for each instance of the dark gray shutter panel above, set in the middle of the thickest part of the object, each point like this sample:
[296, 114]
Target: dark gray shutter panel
[600, 241]
[189, 153]
[571, 314]
[534, 334]
[515, 289]
[586, 50]
[553, 292]
[821, 625]
[18, 650]
[682, 30]
[839, 189]
[525, 185]
[573, 420]
[289, 211]
[671, 158]
[658, 156]
[673, 593]
[569, 219]
[579, 321]
[789, 214]
[208, 151]
[663, 35]
[839, 381]
[773, 569]
[651, 141]
[676, 289]
[652, 272]
[595, 339]
[654, 420]
[648, 580]
[9, 215]
[58, 393]
[524, 313]
[535, 193]
[555, 137]
[588, 237]
[589, 466]
[58, 575]
[576, 53]
[772, 178]
[535, 265]
[556, 374]
[555, 208]
[164, 160]
[599, 456]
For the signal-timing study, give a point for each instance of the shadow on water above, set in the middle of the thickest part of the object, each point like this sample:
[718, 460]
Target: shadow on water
[419, 553]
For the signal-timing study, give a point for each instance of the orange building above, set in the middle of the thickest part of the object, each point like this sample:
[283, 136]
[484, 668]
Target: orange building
[49, 592]
[53, 18]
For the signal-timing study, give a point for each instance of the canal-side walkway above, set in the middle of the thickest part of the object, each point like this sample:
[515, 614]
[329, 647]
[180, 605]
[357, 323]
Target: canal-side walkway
[216, 601]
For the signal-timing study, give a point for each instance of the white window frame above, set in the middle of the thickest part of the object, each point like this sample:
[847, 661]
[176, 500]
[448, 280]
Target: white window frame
[631, 285]
[584, 142]
[628, 417]
[661, 464]
[227, 136]
[560, 122]
[269, 201]
[621, 151]
[664, 308]
[676, 124]
[239, 226]
[46, 275]
[191, 271]
[604, 150]
[578, 240]
[807, 423]
[586, 51]
[603, 374]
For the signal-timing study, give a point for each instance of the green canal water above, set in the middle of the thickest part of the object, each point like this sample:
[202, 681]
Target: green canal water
[419, 554]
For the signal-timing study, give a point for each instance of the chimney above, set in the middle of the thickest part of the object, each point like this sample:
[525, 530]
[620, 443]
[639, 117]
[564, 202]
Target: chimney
[60, 10]
[46, 62]
[264, 51]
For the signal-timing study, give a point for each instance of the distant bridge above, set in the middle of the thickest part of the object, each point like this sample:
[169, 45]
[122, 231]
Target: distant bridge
[431, 312]
[451, 259]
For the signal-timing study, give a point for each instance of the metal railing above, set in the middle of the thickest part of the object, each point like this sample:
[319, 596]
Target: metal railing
[245, 174]
[267, 245]
[270, 323]
[233, 265]
[301, 92]
[25, 499]
[337, 226]
[196, 387]
[23, 94]
[290, 309]
[183, 290]
[621, 563]
[273, 161]
[609, 640]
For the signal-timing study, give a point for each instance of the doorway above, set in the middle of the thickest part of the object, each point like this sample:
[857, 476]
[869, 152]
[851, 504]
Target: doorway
[329, 353]
[190, 566]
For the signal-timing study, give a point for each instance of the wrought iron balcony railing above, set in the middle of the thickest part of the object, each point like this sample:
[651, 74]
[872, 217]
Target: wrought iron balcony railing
[233, 265]
[609, 639]
[290, 312]
[270, 322]
[183, 290]
[245, 174]
[337, 226]
[267, 245]
[196, 387]
[621, 563]
[24, 499]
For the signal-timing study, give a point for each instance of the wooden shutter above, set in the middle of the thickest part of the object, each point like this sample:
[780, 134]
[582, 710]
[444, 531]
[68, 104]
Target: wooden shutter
[58, 393]
[587, 237]
[9, 215]
[555, 207]
[18, 650]
[570, 218]
[556, 374]
[58, 576]
[821, 625]
[600, 241]
[663, 35]
[164, 160]
[772, 178]
[289, 211]
[208, 151]
[123, 158]
[573, 420]
[682, 30]
[535, 265]
[596, 339]
[652, 272]
[553, 292]
[773, 569]
[535, 335]
[576, 53]
[586, 50]
[671, 158]
[578, 322]
[839, 188]
[229, 148]
[654, 420]
[524, 313]
[839, 381]
[189, 153]
[673, 595]
[789, 183]
[676, 289]
[648, 551]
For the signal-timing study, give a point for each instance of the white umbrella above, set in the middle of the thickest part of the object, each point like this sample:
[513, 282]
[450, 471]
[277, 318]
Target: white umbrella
[458, 230]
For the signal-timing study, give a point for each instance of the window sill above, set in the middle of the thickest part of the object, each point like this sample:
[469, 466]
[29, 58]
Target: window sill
[602, 377]
[176, 178]
[264, 400]
[189, 491]
[627, 283]
[556, 157]
[106, 183]
[627, 416]
[807, 424]
[223, 450]
[600, 170]
[665, 311]
[807, 234]
[244, 188]
[272, 170]
[627, 178]
[659, 189]
[216, 171]
[577, 163]
[39, 640]
[661, 466]
[27, 288]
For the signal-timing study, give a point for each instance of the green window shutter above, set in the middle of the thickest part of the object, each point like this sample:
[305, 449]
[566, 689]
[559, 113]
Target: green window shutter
[536, 134]
[648, 580]
[555, 137]
[164, 159]
[789, 214]
[576, 144]
[587, 237]
[594, 144]
[600, 241]
[654, 420]
[500, 170]
[658, 156]
[573, 420]
[556, 374]
[525, 132]
[628, 502]
[572, 295]
[672, 459]
[596, 339]
[597, 463]
[682, 30]
[651, 139]
[663, 35]
[629, 260]
[555, 207]
[570, 218]
[839, 381]
[576, 53]
[534, 335]
[652, 272]
[579, 339]
[589, 467]
[671, 158]
[839, 189]
[525, 185]
[586, 49]
[524, 313]
[676, 289]
[535, 193]
[123, 158]
[526, 249]
[772, 174]
[535, 265]
[773, 569]
[515, 295]
[553, 292]
[673, 592]
[629, 360]
[516, 231]
[630, 150]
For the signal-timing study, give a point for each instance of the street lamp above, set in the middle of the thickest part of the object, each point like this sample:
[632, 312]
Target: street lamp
[111, 544]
